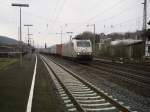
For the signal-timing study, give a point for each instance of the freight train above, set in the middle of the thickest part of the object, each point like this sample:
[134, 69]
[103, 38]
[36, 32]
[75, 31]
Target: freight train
[74, 49]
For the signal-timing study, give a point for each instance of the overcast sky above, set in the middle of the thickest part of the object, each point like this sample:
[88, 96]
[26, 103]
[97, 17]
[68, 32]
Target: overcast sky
[50, 16]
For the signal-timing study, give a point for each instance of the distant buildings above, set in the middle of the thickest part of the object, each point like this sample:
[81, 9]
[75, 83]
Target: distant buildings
[10, 47]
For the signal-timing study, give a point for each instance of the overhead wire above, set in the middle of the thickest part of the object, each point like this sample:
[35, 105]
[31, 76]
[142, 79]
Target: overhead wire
[121, 23]
[106, 10]
[114, 16]
[55, 9]
[117, 15]
[58, 14]
[61, 9]
[80, 23]
[126, 22]
[76, 22]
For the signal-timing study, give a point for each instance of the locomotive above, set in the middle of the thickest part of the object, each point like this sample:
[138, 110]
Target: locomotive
[78, 49]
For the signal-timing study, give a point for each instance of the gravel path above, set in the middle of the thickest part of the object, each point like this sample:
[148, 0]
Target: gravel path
[15, 82]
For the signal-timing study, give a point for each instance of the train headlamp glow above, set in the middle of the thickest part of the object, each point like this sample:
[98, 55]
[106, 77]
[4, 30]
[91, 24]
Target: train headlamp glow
[78, 53]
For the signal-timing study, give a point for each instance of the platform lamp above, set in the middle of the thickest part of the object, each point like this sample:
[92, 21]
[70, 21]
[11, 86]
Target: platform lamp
[20, 39]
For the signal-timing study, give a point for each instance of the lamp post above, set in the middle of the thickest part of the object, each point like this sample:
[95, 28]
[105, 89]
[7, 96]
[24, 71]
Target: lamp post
[93, 37]
[20, 39]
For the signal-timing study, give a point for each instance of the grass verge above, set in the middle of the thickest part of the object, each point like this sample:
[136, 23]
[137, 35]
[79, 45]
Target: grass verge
[5, 62]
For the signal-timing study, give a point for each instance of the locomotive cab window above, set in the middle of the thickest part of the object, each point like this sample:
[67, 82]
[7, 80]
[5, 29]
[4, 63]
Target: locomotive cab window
[83, 44]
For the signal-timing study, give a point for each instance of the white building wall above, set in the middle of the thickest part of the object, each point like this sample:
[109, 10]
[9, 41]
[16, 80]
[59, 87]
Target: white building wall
[147, 48]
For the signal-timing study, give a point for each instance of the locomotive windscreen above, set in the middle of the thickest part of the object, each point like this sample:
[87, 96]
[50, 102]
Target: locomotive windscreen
[83, 44]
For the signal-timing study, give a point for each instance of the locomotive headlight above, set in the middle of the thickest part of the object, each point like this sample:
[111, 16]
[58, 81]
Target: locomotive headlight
[78, 53]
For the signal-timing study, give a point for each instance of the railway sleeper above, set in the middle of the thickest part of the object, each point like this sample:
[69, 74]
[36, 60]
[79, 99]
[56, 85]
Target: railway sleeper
[83, 92]
[98, 101]
[107, 109]
[83, 95]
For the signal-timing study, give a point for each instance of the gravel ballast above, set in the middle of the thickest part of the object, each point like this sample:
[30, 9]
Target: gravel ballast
[135, 101]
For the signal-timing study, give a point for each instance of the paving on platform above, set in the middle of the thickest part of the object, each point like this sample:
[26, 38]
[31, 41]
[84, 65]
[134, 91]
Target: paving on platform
[15, 84]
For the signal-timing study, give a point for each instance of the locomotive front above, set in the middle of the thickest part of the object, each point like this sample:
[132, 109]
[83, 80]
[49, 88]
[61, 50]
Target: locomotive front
[84, 49]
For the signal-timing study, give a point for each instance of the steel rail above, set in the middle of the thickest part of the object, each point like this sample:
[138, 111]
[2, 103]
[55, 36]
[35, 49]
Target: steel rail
[65, 89]
[127, 65]
[95, 89]
[123, 78]
[123, 68]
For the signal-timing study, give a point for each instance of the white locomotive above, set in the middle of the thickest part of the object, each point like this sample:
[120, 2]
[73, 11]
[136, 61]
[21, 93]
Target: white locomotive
[78, 49]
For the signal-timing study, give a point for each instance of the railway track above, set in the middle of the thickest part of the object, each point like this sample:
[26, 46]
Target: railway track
[78, 94]
[121, 73]
[139, 81]
[136, 68]
[143, 80]
[145, 67]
